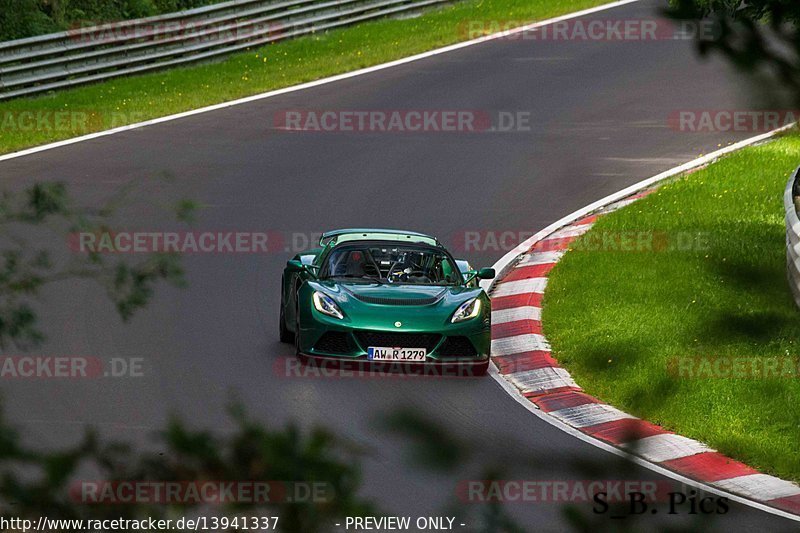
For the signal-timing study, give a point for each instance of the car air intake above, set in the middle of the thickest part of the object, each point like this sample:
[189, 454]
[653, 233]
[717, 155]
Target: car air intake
[457, 346]
[398, 340]
[396, 301]
[334, 342]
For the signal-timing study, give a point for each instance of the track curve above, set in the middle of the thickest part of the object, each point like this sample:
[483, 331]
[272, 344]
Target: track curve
[600, 123]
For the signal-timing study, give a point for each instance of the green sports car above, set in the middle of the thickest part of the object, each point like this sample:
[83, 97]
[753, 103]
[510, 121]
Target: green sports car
[377, 295]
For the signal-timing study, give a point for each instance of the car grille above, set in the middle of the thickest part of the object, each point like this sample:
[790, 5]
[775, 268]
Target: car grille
[397, 301]
[403, 340]
[334, 342]
[457, 347]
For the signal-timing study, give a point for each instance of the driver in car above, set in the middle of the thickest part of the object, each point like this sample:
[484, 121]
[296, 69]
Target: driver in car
[406, 270]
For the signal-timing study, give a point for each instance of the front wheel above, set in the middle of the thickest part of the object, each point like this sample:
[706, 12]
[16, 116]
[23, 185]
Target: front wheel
[286, 335]
[297, 330]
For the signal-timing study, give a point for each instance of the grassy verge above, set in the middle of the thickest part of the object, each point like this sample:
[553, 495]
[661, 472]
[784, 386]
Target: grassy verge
[128, 100]
[696, 271]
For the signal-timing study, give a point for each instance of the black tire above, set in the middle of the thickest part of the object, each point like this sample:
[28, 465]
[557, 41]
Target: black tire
[297, 330]
[286, 335]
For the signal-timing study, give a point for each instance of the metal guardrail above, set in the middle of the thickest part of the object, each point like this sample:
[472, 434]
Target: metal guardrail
[58, 60]
[791, 202]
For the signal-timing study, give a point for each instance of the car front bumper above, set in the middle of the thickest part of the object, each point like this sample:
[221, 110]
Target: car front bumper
[329, 339]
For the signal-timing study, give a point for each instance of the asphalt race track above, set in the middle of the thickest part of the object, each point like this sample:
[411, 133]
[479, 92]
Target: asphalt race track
[599, 123]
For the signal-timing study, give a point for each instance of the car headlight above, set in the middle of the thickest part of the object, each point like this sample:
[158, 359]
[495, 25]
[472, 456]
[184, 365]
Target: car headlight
[325, 305]
[467, 310]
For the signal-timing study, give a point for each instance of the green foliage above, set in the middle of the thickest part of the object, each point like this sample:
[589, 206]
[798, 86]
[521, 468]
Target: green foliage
[168, 6]
[753, 10]
[431, 445]
[757, 36]
[25, 18]
[69, 11]
[31, 216]
[250, 453]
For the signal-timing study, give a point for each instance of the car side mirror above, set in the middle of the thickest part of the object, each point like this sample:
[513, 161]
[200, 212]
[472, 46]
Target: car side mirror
[485, 273]
[295, 266]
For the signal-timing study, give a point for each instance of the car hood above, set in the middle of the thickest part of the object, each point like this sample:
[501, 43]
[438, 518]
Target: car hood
[396, 294]
[382, 304]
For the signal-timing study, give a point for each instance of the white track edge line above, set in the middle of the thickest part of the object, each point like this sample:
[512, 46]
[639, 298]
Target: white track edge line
[507, 259]
[530, 406]
[316, 83]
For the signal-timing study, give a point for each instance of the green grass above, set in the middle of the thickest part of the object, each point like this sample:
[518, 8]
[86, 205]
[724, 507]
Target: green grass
[617, 318]
[132, 99]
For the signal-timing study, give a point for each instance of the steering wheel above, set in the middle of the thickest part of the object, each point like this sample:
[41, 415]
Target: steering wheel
[404, 274]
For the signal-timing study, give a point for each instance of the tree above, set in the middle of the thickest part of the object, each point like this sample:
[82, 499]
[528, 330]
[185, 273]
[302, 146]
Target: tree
[757, 36]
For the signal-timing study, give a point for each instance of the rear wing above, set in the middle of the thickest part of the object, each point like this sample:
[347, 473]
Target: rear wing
[371, 233]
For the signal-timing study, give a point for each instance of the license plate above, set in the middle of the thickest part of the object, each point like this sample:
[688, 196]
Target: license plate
[378, 353]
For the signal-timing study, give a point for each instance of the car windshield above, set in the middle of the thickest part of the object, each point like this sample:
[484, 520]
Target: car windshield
[391, 263]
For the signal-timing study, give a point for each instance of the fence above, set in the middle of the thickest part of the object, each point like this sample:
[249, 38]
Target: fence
[58, 60]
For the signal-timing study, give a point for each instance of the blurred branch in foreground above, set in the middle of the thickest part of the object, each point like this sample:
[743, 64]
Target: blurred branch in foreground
[30, 220]
[756, 36]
